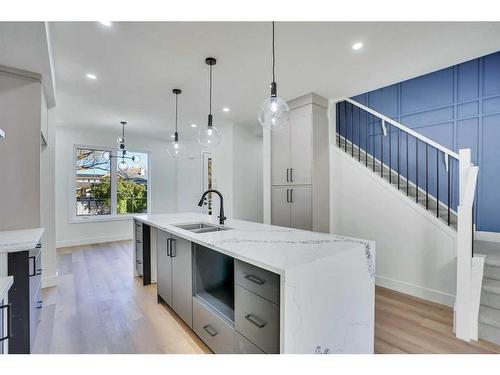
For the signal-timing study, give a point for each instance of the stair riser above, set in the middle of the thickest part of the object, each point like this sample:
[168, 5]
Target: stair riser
[490, 300]
[491, 272]
[489, 333]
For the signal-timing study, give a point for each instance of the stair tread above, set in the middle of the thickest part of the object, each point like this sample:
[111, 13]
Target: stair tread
[491, 286]
[489, 316]
[491, 259]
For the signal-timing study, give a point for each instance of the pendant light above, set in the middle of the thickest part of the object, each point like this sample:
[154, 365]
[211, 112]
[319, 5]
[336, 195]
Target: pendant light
[274, 112]
[122, 165]
[209, 136]
[175, 148]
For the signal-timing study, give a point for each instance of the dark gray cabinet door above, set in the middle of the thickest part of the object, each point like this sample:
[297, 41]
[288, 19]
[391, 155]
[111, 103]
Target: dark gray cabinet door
[164, 271]
[182, 279]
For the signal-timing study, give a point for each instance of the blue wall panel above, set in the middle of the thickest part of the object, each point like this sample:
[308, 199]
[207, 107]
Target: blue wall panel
[458, 107]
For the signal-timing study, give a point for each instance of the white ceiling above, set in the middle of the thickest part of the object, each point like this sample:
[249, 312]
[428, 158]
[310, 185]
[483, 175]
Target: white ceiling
[139, 63]
[26, 46]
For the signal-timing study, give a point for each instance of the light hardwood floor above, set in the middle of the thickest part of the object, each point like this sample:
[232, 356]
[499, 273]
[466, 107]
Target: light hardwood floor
[99, 307]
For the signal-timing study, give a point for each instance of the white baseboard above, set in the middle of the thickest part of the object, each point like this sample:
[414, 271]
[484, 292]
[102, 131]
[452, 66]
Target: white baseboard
[90, 241]
[49, 281]
[487, 236]
[416, 290]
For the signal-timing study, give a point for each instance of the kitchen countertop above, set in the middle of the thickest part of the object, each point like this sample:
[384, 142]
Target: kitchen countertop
[5, 284]
[19, 240]
[277, 249]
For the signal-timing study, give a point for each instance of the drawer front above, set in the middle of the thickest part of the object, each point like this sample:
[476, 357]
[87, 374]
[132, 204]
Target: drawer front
[257, 319]
[35, 311]
[214, 331]
[264, 283]
[244, 346]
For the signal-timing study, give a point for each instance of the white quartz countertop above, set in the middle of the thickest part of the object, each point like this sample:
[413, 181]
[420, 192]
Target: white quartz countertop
[274, 248]
[20, 240]
[5, 284]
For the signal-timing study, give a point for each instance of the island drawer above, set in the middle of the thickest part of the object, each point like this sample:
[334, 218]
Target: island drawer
[212, 329]
[243, 346]
[257, 319]
[262, 282]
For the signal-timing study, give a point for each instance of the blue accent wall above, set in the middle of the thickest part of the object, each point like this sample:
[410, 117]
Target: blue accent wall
[458, 107]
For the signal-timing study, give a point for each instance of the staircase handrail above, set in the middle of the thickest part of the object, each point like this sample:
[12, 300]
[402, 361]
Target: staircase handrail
[444, 149]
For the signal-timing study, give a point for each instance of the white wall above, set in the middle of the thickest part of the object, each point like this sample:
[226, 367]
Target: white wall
[163, 185]
[47, 202]
[247, 175]
[415, 252]
[189, 173]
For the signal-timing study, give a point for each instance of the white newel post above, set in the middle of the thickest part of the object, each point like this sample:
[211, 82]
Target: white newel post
[463, 306]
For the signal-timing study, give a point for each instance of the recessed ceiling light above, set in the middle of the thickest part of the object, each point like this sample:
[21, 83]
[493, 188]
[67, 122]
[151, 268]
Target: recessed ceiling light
[106, 23]
[194, 125]
[91, 76]
[225, 109]
[357, 45]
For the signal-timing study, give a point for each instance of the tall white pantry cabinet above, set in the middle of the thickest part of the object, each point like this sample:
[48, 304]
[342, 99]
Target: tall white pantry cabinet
[299, 167]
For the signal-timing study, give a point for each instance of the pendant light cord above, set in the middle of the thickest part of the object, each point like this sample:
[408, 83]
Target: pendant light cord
[210, 105]
[274, 64]
[176, 95]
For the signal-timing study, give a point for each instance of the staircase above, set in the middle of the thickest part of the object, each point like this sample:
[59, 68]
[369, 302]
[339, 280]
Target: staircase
[489, 310]
[443, 184]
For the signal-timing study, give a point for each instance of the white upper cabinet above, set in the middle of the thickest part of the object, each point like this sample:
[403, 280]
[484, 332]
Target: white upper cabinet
[301, 150]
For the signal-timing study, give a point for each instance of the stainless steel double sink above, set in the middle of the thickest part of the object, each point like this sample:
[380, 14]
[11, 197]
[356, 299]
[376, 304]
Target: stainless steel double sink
[201, 227]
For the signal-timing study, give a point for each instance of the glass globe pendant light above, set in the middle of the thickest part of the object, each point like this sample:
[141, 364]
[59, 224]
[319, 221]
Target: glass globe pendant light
[122, 165]
[175, 149]
[209, 137]
[274, 112]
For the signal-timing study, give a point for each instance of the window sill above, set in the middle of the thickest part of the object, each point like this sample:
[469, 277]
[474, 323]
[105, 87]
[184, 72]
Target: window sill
[100, 219]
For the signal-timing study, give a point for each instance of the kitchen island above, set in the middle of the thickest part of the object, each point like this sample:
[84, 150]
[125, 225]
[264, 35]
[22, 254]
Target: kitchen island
[254, 288]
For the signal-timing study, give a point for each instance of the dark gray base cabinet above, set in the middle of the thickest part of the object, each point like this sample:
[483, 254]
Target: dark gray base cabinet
[25, 298]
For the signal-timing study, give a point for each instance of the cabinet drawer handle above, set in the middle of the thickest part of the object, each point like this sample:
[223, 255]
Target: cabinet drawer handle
[254, 279]
[138, 262]
[169, 250]
[9, 318]
[138, 241]
[173, 248]
[39, 272]
[34, 266]
[210, 330]
[40, 303]
[255, 320]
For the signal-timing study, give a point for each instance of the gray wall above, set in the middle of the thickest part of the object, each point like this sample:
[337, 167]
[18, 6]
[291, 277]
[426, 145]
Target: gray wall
[20, 107]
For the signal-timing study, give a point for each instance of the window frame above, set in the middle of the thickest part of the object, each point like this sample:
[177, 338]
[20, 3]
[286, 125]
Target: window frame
[114, 216]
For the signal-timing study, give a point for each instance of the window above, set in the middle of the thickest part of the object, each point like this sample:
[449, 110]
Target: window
[102, 190]
[132, 185]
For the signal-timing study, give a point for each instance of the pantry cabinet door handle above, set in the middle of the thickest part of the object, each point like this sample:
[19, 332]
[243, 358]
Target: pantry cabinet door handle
[287, 195]
[291, 195]
[254, 279]
[9, 319]
[210, 330]
[168, 247]
[287, 178]
[255, 320]
[291, 174]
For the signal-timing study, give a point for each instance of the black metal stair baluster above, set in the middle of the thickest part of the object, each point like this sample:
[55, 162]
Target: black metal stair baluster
[366, 139]
[337, 123]
[399, 174]
[345, 127]
[381, 151]
[359, 135]
[373, 143]
[389, 129]
[407, 168]
[352, 130]
[416, 169]
[426, 176]
[437, 183]
[449, 187]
